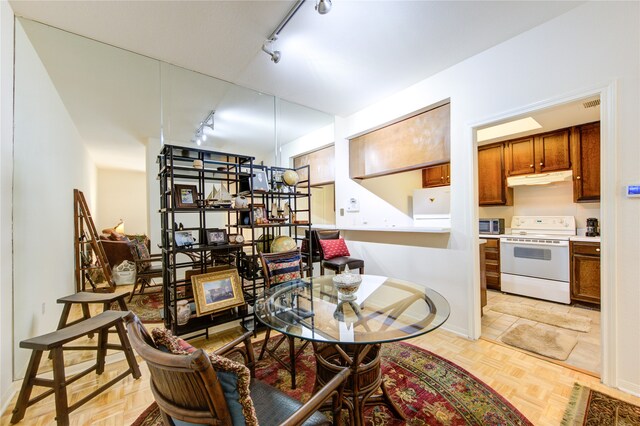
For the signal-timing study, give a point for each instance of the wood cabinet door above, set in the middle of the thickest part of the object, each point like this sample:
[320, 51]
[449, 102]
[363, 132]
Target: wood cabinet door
[552, 151]
[585, 278]
[491, 185]
[520, 156]
[586, 162]
[435, 176]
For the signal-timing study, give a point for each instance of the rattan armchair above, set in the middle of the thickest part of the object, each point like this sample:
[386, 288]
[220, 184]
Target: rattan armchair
[187, 388]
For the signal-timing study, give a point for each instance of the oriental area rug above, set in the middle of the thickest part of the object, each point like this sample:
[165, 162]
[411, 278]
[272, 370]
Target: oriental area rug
[147, 306]
[589, 407]
[427, 388]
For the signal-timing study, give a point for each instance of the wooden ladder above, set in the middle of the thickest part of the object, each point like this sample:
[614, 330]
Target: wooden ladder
[85, 234]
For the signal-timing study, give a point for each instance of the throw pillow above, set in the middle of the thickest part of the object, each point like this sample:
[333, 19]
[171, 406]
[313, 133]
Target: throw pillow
[285, 270]
[142, 253]
[234, 377]
[334, 248]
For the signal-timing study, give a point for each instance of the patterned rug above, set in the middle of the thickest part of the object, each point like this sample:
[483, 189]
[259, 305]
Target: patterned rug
[591, 408]
[147, 306]
[428, 389]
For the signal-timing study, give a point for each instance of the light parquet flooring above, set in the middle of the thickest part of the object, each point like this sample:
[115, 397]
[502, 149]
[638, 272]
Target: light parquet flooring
[539, 389]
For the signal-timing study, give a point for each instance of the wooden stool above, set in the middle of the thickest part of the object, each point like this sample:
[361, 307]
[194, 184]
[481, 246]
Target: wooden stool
[54, 342]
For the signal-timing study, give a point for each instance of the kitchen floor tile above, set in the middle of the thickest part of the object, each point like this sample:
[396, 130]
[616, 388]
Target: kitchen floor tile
[585, 355]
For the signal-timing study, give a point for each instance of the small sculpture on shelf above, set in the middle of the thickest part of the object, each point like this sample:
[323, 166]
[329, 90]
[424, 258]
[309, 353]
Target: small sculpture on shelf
[219, 198]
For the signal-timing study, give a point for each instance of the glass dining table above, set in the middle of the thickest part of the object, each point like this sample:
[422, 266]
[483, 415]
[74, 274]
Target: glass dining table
[348, 330]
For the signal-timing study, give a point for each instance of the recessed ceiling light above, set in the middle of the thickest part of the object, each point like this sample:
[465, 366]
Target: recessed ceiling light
[506, 129]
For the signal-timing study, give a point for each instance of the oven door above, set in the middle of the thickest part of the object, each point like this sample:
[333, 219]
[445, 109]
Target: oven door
[538, 260]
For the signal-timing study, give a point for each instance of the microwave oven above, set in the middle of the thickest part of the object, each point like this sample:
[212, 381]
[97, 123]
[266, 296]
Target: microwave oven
[492, 226]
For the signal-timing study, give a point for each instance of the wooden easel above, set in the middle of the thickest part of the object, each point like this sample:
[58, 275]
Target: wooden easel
[85, 234]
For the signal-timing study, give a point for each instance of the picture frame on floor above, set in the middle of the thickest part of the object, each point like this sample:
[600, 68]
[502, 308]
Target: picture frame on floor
[217, 291]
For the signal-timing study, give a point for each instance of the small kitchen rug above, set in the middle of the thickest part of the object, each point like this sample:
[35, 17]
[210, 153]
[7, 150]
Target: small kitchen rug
[558, 319]
[590, 407]
[545, 342]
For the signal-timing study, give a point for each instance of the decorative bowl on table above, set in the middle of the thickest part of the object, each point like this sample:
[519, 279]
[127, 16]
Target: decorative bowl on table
[347, 284]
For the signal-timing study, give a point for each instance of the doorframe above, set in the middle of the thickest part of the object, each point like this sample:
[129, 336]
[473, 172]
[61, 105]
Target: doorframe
[608, 151]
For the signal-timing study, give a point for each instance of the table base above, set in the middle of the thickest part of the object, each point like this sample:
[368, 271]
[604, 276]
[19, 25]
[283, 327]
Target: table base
[363, 383]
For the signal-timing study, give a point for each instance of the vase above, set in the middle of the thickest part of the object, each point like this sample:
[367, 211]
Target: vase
[184, 312]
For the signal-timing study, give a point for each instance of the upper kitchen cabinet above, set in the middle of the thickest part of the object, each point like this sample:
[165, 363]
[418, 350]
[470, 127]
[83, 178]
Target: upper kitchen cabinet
[436, 176]
[492, 189]
[539, 154]
[520, 156]
[586, 162]
[410, 144]
[552, 151]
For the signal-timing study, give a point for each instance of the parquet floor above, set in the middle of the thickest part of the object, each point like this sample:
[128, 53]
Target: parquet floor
[538, 388]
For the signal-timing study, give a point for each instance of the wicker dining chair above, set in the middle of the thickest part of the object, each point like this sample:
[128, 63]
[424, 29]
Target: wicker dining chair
[187, 388]
[277, 269]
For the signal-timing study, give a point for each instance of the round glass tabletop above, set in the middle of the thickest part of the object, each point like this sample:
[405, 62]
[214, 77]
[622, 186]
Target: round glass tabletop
[381, 310]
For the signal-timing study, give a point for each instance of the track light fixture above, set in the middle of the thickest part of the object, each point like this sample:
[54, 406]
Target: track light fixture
[275, 54]
[200, 134]
[322, 6]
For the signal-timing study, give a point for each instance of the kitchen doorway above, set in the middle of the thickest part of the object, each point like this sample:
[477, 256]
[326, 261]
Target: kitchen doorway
[516, 316]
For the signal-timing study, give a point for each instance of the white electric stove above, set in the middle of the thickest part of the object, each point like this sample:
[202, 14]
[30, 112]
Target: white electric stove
[534, 258]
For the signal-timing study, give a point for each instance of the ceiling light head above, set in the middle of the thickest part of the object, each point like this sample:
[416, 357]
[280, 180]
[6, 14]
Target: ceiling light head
[323, 6]
[275, 54]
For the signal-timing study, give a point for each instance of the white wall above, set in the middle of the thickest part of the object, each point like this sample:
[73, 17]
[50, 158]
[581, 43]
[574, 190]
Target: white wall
[122, 194]
[587, 49]
[307, 143]
[6, 181]
[545, 200]
[50, 160]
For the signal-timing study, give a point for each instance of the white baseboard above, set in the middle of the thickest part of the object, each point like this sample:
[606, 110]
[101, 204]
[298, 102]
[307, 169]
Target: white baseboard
[8, 396]
[630, 387]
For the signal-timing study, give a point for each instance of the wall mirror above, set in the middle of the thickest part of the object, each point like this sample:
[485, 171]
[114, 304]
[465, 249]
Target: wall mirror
[93, 116]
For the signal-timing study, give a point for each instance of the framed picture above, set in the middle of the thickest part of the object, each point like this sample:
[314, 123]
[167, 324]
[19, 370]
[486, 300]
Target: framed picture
[185, 195]
[216, 236]
[259, 181]
[217, 291]
[184, 239]
[259, 214]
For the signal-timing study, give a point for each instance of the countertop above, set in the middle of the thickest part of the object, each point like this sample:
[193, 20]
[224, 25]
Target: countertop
[585, 239]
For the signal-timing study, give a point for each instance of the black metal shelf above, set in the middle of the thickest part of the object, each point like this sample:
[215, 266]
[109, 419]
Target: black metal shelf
[175, 165]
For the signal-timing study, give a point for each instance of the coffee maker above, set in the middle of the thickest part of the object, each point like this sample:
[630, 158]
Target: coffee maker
[592, 227]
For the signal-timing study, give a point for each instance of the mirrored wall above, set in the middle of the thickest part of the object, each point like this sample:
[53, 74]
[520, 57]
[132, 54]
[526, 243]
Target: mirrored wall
[93, 117]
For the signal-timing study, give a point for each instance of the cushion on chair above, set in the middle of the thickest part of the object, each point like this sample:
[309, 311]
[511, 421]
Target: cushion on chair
[334, 248]
[274, 407]
[141, 253]
[234, 377]
[338, 263]
[283, 270]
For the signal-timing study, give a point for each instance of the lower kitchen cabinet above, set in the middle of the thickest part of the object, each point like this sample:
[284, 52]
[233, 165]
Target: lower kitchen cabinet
[492, 263]
[585, 272]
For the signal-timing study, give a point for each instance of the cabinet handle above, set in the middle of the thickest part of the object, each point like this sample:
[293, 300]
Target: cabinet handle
[441, 177]
[531, 166]
[597, 249]
[578, 177]
[541, 163]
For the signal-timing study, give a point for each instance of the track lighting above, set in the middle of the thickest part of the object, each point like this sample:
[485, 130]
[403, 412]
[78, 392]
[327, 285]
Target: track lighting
[275, 54]
[207, 122]
[323, 6]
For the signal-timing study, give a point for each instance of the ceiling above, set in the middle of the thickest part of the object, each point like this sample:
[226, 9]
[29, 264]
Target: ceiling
[574, 113]
[359, 53]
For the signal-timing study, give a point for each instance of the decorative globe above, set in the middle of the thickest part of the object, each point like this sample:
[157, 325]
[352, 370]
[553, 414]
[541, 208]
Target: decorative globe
[283, 243]
[290, 177]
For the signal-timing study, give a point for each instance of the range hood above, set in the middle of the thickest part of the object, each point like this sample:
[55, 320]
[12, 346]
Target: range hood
[540, 178]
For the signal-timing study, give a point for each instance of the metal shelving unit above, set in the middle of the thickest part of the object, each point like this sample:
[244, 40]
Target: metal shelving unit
[176, 166]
